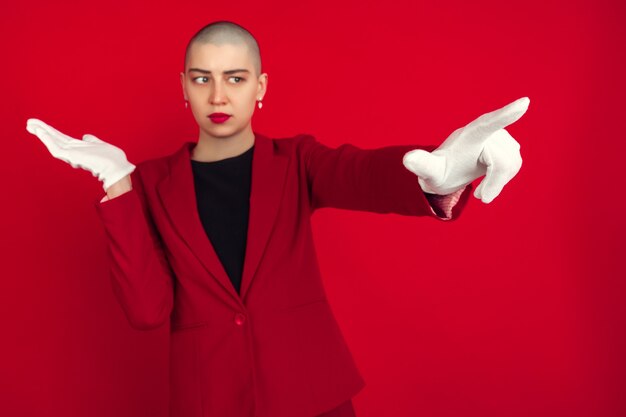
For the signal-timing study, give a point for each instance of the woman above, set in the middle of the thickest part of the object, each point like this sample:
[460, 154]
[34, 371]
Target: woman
[216, 238]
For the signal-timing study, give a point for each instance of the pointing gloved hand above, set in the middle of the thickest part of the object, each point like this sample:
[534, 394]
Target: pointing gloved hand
[105, 161]
[482, 147]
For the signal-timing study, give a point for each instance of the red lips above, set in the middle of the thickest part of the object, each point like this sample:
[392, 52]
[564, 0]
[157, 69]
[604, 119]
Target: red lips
[219, 117]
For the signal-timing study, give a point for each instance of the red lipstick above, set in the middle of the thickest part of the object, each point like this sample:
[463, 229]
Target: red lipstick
[219, 117]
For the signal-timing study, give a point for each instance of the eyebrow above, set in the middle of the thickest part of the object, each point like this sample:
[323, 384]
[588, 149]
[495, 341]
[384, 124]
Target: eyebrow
[233, 71]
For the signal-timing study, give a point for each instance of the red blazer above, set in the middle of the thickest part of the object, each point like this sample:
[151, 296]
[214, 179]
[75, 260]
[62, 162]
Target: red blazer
[275, 350]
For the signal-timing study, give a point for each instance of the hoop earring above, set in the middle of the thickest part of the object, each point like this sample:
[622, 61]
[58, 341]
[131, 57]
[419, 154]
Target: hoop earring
[260, 104]
[186, 104]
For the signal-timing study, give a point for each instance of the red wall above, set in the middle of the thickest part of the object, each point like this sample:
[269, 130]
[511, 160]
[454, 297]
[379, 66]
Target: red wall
[516, 309]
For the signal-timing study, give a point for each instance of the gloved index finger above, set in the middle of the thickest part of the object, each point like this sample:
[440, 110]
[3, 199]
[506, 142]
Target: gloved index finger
[33, 124]
[489, 123]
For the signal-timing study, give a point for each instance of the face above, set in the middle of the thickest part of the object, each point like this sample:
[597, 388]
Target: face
[222, 79]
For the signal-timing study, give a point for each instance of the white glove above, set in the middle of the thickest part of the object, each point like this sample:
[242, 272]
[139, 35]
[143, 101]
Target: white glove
[480, 148]
[106, 162]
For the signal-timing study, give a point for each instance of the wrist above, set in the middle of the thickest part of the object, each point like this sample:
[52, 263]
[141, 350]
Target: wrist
[120, 187]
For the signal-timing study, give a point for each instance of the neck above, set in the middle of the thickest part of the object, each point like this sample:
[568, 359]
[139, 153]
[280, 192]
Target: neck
[211, 148]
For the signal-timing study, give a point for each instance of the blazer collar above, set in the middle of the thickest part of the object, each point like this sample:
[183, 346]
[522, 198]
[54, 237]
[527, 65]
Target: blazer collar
[177, 194]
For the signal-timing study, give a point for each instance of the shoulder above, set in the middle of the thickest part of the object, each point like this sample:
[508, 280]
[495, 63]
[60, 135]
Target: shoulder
[155, 168]
[288, 146]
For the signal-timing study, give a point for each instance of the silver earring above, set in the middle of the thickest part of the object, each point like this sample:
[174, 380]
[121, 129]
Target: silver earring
[260, 104]
[186, 104]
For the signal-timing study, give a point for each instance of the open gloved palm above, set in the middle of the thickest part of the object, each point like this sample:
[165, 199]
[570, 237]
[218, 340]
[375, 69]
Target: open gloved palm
[483, 147]
[105, 161]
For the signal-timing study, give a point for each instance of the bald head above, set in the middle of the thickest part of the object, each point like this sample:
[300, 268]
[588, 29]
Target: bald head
[225, 32]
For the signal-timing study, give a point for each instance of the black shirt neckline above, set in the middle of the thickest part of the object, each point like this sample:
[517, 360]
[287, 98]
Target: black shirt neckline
[225, 160]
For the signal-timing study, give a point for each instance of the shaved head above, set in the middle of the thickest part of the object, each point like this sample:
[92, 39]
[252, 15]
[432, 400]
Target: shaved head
[226, 32]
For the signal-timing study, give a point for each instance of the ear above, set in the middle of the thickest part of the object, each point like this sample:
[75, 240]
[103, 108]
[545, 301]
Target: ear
[182, 83]
[262, 88]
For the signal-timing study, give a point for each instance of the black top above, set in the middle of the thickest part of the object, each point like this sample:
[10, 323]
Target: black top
[223, 199]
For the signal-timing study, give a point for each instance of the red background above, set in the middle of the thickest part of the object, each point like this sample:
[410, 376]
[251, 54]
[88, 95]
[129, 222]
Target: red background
[516, 309]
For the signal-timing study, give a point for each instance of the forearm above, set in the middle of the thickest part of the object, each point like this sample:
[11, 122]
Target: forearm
[374, 180]
[141, 275]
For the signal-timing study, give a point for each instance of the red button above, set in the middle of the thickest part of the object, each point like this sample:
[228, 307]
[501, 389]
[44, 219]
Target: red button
[239, 319]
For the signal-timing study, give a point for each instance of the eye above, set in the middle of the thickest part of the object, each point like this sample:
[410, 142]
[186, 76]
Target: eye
[239, 78]
[203, 78]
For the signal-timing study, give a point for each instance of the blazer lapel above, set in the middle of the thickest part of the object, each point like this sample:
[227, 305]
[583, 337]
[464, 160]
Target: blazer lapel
[178, 197]
[268, 179]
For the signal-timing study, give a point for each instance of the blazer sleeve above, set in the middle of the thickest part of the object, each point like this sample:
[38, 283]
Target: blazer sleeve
[374, 180]
[141, 276]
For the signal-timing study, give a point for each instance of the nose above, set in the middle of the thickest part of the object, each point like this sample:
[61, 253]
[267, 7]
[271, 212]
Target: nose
[218, 95]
